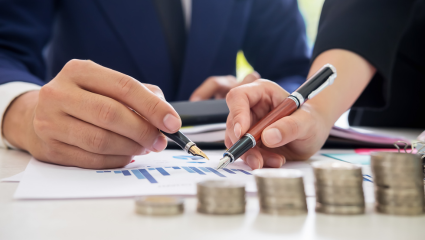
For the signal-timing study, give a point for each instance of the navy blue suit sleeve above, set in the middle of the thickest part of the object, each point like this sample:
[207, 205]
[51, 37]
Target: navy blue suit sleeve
[25, 28]
[276, 42]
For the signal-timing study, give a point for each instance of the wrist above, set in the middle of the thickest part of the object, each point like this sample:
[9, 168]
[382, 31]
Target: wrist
[17, 120]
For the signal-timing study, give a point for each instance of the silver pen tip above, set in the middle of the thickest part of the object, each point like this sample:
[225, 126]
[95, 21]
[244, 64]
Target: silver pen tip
[223, 162]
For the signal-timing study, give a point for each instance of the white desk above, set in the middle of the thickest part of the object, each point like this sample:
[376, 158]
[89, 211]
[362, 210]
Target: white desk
[115, 219]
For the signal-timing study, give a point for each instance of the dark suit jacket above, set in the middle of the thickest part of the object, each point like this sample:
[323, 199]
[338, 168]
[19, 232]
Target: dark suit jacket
[390, 34]
[126, 35]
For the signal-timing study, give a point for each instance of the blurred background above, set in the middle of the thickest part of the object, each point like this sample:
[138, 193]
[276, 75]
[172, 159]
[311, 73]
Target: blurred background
[310, 9]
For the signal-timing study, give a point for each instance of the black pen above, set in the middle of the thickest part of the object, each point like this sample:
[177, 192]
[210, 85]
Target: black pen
[180, 139]
[185, 143]
[319, 81]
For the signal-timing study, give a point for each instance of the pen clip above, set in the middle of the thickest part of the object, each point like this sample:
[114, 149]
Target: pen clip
[328, 82]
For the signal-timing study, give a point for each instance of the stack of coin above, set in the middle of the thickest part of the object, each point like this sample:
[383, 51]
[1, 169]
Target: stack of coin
[159, 205]
[398, 180]
[281, 191]
[221, 197]
[339, 188]
[420, 147]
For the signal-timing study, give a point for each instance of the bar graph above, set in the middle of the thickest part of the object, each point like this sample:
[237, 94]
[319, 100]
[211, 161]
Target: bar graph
[155, 174]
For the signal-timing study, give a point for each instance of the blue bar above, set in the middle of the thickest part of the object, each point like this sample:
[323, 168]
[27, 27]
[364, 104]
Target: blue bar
[188, 169]
[247, 173]
[176, 167]
[187, 157]
[117, 171]
[162, 171]
[151, 169]
[197, 170]
[148, 176]
[215, 171]
[126, 173]
[204, 169]
[99, 171]
[138, 174]
[228, 170]
[106, 171]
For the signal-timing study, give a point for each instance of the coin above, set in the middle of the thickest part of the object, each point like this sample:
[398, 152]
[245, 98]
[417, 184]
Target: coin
[284, 211]
[343, 210]
[399, 210]
[159, 205]
[221, 197]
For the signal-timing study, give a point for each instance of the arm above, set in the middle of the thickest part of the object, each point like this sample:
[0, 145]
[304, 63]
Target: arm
[359, 38]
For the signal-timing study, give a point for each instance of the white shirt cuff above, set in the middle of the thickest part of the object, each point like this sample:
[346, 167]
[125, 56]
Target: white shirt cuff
[8, 93]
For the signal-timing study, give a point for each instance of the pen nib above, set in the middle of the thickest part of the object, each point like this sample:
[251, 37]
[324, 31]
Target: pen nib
[195, 151]
[223, 162]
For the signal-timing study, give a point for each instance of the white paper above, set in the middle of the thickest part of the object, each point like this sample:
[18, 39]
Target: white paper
[14, 178]
[48, 181]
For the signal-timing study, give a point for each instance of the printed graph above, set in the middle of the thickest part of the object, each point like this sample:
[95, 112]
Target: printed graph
[145, 173]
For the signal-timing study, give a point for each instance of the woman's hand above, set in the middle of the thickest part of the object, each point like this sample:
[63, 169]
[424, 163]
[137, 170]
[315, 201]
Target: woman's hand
[295, 137]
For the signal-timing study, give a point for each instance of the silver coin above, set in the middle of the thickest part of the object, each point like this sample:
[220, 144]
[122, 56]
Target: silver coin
[220, 210]
[337, 190]
[399, 210]
[264, 191]
[284, 211]
[339, 210]
[340, 200]
[336, 169]
[159, 205]
[395, 160]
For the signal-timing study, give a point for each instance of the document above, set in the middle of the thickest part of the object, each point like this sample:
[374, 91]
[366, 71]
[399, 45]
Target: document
[170, 172]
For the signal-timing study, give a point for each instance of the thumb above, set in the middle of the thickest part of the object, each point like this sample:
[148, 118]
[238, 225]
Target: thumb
[287, 129]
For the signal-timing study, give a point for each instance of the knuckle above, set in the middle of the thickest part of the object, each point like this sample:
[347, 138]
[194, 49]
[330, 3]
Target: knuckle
[125, 85]
[152, 106]
[143, 135]
[75, 65]
[96, 162]
[48, 91]
[98, 141]
[107, 112]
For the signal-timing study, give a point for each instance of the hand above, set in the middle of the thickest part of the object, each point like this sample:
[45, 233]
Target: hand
[82, 118]
[219, 86]
[295, 137]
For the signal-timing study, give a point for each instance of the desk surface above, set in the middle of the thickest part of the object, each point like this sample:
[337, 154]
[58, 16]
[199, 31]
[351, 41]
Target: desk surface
[115, 218]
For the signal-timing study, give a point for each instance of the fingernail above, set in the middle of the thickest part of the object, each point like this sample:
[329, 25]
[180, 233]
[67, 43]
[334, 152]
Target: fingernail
[237, 130]
[272, 136]
[252, 162]
[275, 162]
[159, 144]
[172, 123]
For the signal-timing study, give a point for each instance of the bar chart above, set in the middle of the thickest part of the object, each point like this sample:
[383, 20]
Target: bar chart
[149, 172]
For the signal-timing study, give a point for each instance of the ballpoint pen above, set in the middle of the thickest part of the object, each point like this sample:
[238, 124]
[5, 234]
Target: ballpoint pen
[319, 81]
[180, 139]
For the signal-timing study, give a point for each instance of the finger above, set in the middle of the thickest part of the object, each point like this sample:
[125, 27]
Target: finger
[272, 160]
[125, 89]
[212, 86]
[91, 138]
[250, 78]
[240, 100]
[287, 129]
[67, 155]
[156, 90]
[111, 115]
[253, 158]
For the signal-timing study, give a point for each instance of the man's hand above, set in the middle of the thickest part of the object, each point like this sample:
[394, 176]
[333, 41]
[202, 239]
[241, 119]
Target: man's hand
[219, 86]
[296, 137]
[82, 118]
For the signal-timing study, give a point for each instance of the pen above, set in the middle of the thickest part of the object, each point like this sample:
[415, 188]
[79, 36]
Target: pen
[185, 143]
[180, 139]
[319, 81]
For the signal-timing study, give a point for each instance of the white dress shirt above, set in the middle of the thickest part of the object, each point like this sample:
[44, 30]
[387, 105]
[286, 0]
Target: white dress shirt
[10, 91]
